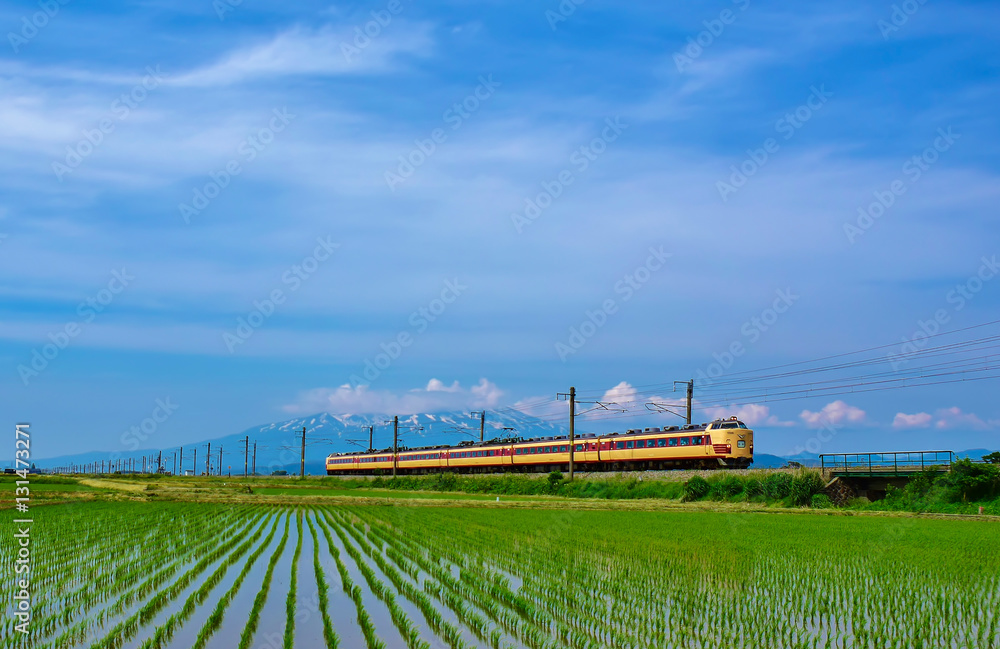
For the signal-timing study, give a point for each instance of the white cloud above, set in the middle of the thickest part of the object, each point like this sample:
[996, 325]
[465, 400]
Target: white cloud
[303, 51]
[435, 385]
[622, 394]
[916, 420]
[834, 413]
[942, 419]
[954, 418]
[435, 397]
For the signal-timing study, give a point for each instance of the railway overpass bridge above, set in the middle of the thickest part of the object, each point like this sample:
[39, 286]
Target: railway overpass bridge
[851, 475]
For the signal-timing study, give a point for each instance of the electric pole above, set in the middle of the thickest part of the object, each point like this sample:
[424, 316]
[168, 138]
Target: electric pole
[159, 462]
[255, 458]
[571, 397]
[302, 462]
[572, 432]
[175, 463]
[482, 423]
[194, 462]
[246, 452]
[371, 436]
[220, 459]
[395, 443]
[182, 459]
[208, 460]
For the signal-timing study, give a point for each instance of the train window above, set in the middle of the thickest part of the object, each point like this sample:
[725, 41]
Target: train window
[661, 442]
[685, 441]
[743, 426]
[672, 441]
[741, 444]
[629, 444]
[533, 450]
[579, 447]
[640, 443]
[563, 449]
[619, 445]
[696, 441]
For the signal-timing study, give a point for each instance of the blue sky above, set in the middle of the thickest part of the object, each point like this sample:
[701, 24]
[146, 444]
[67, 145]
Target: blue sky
[470, 182]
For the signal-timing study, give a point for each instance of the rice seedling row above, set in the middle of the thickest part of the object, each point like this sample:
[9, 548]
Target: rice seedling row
[477, 578]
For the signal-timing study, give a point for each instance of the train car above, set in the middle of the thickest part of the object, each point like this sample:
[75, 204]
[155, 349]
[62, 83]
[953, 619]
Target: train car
[723, 443]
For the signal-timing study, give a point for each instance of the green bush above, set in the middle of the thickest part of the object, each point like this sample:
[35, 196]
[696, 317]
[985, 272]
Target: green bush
[821, 501]
[726, 487]
[805, 485]
[968, 481]
[696, 488]
[555, 479]
[778, 486]
[753, 488]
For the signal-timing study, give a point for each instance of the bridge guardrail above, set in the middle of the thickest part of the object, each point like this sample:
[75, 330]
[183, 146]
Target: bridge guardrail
[888, 463]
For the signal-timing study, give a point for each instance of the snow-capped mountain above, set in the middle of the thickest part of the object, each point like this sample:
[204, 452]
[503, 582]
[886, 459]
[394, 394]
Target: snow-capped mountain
[278, 445]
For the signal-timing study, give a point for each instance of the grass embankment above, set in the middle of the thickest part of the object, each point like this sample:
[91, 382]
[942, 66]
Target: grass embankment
[961, 491]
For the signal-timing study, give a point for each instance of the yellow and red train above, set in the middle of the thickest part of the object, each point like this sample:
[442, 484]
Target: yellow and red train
[723, 443]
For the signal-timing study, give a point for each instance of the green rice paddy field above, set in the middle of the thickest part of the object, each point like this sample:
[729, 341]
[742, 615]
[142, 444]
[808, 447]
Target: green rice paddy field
[188, 575]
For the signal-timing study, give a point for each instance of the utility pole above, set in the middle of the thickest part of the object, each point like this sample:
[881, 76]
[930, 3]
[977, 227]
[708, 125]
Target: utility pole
[194, 462]
[143, 463]
[690, 396]
[302, 461]
[571, 397]
[255, 458]
[246, 452]
[182, 459]
[159, 462]
[175, 463]
[572, 432]
[220, 459]
[208, 460]
[482, 423]
[395, 443]
[371, 437]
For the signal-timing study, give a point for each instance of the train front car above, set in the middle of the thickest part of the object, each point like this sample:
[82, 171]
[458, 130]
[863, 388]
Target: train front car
[732, 441]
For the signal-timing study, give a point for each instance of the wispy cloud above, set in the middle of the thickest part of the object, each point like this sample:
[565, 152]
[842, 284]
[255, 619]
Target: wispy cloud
[942, 419]
[836, 413]
[302, 51]
[434, 397]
